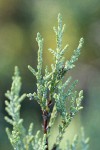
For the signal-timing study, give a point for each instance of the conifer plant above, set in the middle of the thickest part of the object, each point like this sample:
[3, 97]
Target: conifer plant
[52, 97]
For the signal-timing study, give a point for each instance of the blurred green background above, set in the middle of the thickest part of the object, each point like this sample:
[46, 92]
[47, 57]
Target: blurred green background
[20, 20]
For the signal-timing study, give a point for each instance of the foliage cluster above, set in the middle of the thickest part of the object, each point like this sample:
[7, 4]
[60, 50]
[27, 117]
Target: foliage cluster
[52, 97]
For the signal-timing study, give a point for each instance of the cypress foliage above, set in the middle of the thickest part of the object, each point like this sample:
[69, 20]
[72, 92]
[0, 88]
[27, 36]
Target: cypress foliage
[51, 91]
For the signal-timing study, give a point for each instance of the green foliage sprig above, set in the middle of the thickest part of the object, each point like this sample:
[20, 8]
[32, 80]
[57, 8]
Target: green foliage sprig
[51, 95]
[19, 137]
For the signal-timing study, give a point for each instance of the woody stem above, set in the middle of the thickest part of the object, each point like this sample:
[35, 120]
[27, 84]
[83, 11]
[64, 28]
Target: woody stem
[46, 116]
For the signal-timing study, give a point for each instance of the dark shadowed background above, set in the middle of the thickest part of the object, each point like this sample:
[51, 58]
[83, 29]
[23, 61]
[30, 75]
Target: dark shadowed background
[20, 20]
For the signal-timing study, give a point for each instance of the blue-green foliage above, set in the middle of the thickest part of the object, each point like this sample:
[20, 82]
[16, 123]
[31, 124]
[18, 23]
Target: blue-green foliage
[51, 90]
[19, 137]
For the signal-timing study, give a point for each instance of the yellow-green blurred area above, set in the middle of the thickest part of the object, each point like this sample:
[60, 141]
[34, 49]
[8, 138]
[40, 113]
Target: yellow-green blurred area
[20, 20]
